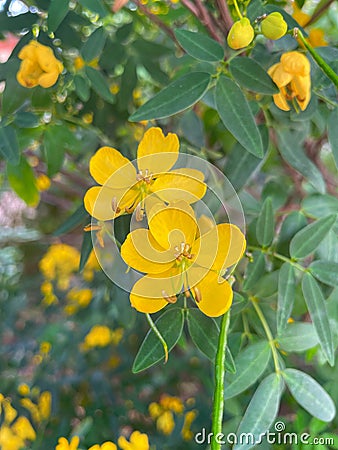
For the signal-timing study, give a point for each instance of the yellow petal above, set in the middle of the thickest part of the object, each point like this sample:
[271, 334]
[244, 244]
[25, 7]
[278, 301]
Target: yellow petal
[295, 63]
[105, 203]
[279, 75]
[173, 225]
[157, 153]
[205, 224]
[141, 252]
[213, 295]
[180, 184]
[280, 102]
[108, 161]
[301, 86]
[23, 428]
[48, 79]
[219, 248]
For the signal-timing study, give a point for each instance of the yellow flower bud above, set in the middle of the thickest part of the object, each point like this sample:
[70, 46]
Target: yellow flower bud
[241, 34]
[274, 26]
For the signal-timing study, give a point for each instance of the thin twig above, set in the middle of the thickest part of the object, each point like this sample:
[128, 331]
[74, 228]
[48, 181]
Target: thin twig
[206, 20]
[156, 21]
[318, 13]
[225, 14]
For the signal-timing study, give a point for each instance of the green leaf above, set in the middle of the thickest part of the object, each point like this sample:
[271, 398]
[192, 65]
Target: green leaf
[79, 216]
[292, 223]
[265, 225]
[236, 115]
[332, 131]
[250, 74]
[57, 11]
[316, 304]
[200, 46]
[54, 149]
[94, 45]
[250, 365]
[320, 205]
[128, 83]
[298, 337]
[99, 84]
[255, 270]
[82, 87]
[204, 332]
[261, 411]
[325, 271]
[286, 295]
[26, 119]
[22, 180]
[96, 6]
[14, 95]
[307, 240]
[293, 154]
[9, 146]
[309, 394]
[86, 249]
[170, 325]
[178, 96]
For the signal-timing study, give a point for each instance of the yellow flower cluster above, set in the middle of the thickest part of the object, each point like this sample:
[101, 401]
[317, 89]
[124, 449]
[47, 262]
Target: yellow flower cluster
[138, 441]
[39, 67]
[15, 432]
[101, 336]
[292, 76]
[40, 409]
[163, 412]
[59, 265]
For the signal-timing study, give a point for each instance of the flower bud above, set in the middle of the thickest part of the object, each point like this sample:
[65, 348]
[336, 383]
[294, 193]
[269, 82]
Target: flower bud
[241, 34]
[274, 26]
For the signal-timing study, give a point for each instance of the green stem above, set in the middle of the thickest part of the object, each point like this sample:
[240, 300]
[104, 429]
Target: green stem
[159, 335]
[319, 60]
[267, 332]
[218, 400]
[270, 252]
[238, 10]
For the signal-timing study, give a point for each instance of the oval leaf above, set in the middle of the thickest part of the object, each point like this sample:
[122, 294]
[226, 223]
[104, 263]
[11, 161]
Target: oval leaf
[22, 180]
[79, 217]
[325, 271]
[286, 295]
[99, 84]
[261, 412]
[298, 337]
[316, 304]
[57, 11]
[265, 225]
[308, 239]
[251, 75]
[200, 46]
[170, 325]
[178, 96]
[320, 205]
[236, 115]
[9, 146]
[86, 249]
[309, 394]
[250, 364]
[94, 45]
[332, 132]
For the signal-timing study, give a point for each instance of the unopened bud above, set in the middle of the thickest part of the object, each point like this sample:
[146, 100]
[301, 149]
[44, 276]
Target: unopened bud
[241, 34]
[274, 26]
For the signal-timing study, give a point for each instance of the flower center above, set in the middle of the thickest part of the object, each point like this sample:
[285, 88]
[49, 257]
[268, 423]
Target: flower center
[182, 252]
[144, 175]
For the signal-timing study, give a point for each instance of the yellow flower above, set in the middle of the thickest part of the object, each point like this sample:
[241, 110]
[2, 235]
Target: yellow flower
[98, 336]
[292, 76]
[92, 265]
[316, 37]
[79, 63]
[42, 182]
[165, 423]
[39, 66]
[105, 446]
[172, 403]
[125, 189]
[188, 420]
[45, 405]
[241, 34]
[23, 428]
[274, 26]
[175, 259]
[138, 441]
[63, 443]
[23, 389]
[78, 298]
[301, 17]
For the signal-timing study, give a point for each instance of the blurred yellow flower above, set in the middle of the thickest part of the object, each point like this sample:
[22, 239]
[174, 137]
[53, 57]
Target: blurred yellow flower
[105, 446]
[64, 444]
[76, 299]
[39, 66]
[41, 410]
[88, 118]
[241, 34]
[137, 441]
[176, 258]
[186, 432]
[43, 182]
[174, 404]
[124, 189]
[23, 389]
[162, 412]
[79, 63]
[101, 336]
[316, 37]
[92, 266]
[292, 76]
[165, 423]
[45, 347]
